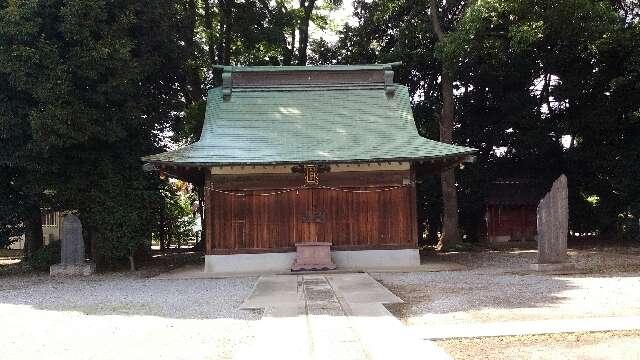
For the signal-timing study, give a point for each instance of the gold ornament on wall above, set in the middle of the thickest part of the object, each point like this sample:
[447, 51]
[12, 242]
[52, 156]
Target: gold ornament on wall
[311, 175]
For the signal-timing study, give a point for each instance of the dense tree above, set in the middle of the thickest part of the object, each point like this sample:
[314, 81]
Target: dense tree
[92, 84]
[540, 89]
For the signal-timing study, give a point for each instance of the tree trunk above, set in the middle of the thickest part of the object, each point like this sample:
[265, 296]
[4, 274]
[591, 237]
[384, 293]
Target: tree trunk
[194, 83]
[162, 232]
[33, 238]
[97, 258]
[303, 30]
[450, 231]
[225, 8]
[208, 26]
[221, 23]
[293, 45]
[132, 263]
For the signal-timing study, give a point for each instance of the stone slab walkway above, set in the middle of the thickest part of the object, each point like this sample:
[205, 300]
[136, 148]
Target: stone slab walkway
[335, 316]
[196, 271]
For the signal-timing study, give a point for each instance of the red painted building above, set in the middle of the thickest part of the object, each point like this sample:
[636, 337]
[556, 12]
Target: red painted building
[512, 209]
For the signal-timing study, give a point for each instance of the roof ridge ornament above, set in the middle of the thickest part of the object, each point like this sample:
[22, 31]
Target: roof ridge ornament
[226, 85]
[389, 86]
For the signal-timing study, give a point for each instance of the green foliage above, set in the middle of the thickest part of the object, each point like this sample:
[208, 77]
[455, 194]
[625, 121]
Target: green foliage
[11, 207]
[177, 218]
[46, 256]
[528, 74]
[88, 86]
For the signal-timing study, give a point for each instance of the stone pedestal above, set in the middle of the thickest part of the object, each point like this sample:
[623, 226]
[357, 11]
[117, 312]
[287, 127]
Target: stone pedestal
[313, 256]
[72, 269]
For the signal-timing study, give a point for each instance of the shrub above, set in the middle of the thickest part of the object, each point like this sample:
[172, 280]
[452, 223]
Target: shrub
[46, 256]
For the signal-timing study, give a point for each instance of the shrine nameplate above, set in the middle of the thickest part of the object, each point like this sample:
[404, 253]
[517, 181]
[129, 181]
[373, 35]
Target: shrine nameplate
[314, 216]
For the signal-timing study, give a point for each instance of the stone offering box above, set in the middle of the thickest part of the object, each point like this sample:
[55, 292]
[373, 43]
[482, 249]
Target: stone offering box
[313, 256]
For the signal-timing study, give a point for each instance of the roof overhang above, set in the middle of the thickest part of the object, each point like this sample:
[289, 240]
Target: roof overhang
[193, 170]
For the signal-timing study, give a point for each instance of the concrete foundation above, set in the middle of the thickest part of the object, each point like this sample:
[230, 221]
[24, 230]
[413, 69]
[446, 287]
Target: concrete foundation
[281, 262]
[249, 263]
[376, 259]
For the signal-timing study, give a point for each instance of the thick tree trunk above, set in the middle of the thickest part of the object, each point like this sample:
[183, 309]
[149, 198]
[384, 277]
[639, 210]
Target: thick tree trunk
[33, 228]
[450, 232]
[225, 8]
[194, 82]
[303, 30]
[208, 26]
[287, 52]
[221, 23]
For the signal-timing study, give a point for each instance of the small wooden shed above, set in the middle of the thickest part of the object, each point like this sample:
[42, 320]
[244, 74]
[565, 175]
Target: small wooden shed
[308, 154]
[511, 212]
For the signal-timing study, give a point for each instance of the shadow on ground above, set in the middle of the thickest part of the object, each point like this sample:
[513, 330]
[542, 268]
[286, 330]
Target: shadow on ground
[496, 287]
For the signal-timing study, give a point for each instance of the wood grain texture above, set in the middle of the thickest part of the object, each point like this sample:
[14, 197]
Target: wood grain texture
[516, 221]
[295, 180]
[344, 218]
[263, 79]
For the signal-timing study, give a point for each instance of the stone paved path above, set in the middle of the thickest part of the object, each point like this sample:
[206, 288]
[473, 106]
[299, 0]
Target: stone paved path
[337, 316]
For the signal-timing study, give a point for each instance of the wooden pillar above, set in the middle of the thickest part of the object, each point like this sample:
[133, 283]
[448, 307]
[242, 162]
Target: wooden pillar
[414, 204]
[208, 215]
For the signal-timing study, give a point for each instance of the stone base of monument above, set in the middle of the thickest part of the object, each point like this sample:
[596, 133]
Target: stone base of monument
[553, 267]
[72, 269]
[313, 256]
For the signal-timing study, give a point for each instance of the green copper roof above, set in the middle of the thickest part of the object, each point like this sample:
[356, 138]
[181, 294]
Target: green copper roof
[339, 124]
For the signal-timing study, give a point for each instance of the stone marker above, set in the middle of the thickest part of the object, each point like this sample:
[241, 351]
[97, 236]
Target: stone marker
[552, 227]
[71, 250]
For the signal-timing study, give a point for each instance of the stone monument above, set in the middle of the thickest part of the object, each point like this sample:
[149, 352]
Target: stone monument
[71, 250]
[552, 228]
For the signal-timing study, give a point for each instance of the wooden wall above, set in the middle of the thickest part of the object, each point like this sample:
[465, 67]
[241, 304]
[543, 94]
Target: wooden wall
[516, 222]
[306, 78]
[347, 219]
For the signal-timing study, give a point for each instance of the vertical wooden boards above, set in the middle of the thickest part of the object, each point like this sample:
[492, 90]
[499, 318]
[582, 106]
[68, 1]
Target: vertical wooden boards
[264, 219]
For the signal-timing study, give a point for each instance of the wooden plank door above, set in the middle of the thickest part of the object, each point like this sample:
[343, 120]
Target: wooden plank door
[305, 228]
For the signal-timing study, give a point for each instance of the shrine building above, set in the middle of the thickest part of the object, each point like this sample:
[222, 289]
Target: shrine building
[309, 154]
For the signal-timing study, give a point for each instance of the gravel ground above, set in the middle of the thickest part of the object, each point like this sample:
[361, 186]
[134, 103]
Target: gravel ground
[596, 260]
[127, 316]
[496, 289]
[603, 345]
[489, 291]
[115, 315]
